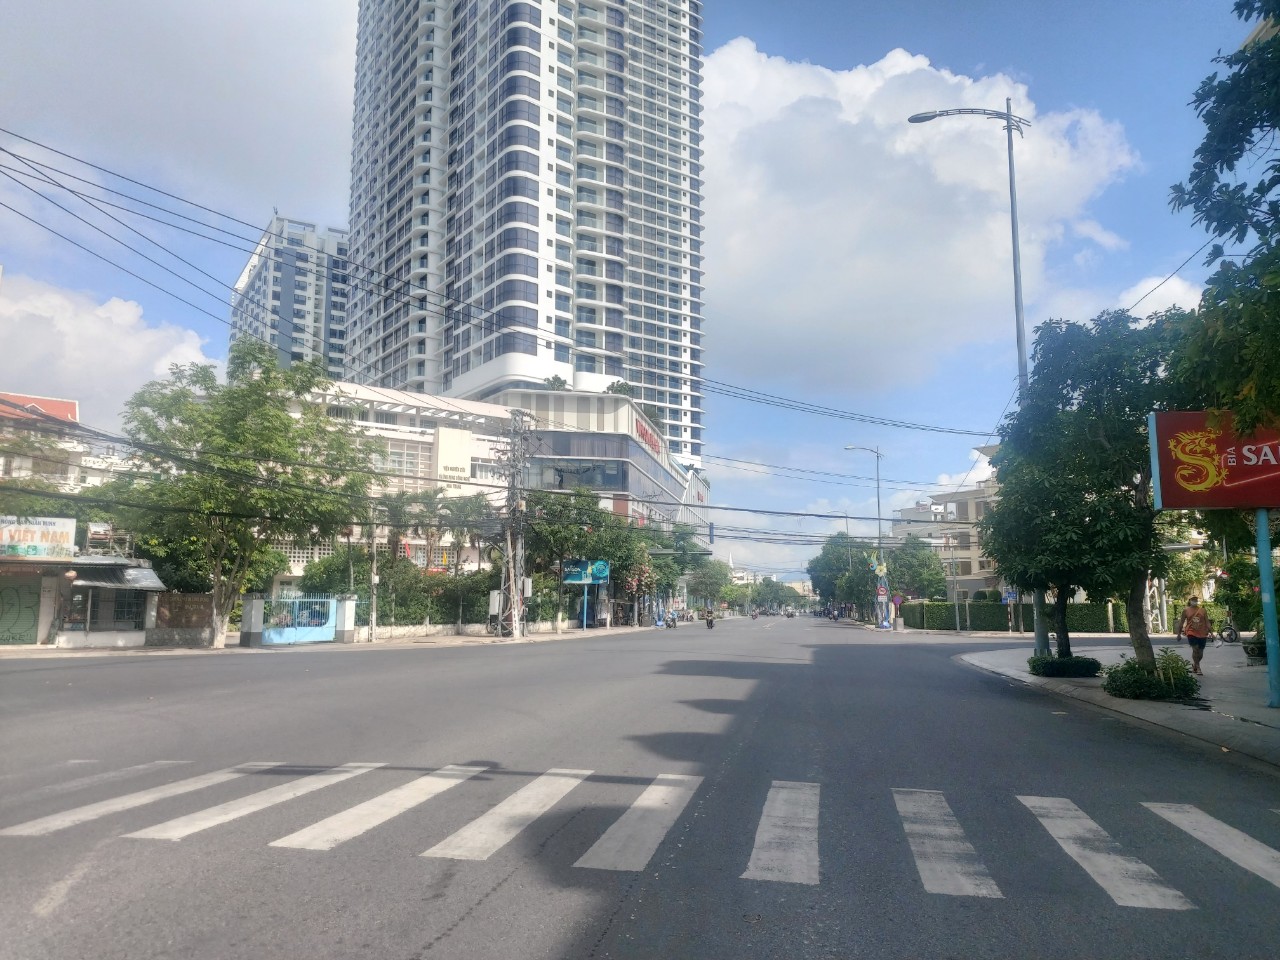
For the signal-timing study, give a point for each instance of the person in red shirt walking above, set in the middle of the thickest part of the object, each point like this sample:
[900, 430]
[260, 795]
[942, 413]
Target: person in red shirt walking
[1194, 622]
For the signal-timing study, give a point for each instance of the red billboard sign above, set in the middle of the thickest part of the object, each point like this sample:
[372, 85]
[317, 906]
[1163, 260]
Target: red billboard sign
[648, 437]
[1199, 463]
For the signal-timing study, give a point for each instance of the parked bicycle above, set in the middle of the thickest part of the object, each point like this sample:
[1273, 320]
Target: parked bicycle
[1226, 632]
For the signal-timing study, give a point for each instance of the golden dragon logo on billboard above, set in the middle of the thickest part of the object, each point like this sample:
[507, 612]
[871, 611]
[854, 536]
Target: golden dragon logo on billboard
[1199, 465]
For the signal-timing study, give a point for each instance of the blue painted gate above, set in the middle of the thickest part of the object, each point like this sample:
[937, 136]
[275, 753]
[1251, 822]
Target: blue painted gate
[300, 620]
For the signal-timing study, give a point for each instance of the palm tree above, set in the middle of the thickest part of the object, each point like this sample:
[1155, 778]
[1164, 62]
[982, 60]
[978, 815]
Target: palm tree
[412, 511]
[465, 518]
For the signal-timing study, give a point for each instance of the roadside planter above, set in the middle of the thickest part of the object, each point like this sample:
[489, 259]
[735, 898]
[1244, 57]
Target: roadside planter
[1255, 650]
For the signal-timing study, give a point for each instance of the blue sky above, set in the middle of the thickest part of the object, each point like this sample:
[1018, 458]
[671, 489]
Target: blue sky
[853, 260]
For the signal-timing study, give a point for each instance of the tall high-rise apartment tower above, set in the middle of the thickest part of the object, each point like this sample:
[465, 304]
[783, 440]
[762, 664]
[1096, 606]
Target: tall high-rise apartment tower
[293, 294]
[526, 200]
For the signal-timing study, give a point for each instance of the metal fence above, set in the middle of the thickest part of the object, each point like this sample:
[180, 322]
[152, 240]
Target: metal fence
[299, 619]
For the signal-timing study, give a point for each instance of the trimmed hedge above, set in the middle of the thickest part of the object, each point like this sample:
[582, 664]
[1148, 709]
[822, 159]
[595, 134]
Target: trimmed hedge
[986, 615]
[1064, 666]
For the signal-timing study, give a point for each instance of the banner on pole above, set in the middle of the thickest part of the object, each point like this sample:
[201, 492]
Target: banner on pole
[1199, 463]
[586, 571]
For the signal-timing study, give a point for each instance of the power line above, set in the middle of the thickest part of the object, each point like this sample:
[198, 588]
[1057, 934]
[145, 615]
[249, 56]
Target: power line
[707, 385]
[178, 456]
[1170, 276]
[745, 464]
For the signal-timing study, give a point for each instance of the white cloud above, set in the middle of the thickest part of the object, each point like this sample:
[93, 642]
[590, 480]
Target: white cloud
[65, 344]
[1174, 292]
[237, 98]
[979, 471]
[1092, 230]
[832, 219]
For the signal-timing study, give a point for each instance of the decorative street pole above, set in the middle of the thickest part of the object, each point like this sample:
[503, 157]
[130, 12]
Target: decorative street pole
[1011, 123]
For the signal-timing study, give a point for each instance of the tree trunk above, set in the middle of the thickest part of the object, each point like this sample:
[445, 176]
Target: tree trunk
[1060, 621]
[1135, 606]
[219, 619]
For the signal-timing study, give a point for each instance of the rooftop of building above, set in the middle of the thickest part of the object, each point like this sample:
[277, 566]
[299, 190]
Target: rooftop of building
[33, 407]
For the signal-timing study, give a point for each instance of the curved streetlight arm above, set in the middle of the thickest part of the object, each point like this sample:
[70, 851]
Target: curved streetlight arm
[1012, 119]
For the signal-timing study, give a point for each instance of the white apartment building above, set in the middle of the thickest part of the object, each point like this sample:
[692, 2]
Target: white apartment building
[292, 294]
[526, 201]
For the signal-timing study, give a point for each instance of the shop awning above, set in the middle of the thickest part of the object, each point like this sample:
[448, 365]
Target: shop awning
[121, 578]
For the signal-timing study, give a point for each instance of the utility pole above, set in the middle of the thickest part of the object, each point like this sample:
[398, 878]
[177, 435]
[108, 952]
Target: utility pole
[512, 463]
[373, 578]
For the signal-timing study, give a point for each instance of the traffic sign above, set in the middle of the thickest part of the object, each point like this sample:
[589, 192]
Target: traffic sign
[882, 591]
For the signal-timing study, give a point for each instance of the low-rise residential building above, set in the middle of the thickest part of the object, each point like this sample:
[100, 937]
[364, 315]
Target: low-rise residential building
[49, 448]
[948, 523]
[50, 593]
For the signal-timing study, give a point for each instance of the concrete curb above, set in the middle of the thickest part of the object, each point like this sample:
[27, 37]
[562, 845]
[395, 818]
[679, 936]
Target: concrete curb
[1239, 734]
[41, 652]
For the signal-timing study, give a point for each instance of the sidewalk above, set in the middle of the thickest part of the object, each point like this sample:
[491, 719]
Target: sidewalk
[1231, 711]
[41, 652]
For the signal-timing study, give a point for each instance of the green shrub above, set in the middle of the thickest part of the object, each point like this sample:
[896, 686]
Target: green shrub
[1064, 666]
[1171, 679]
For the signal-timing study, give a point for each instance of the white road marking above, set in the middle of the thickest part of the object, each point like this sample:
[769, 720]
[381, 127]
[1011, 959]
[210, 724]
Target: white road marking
[92, 811]
[946, 861]
[204, 819]
[786, 847]
[1240, 848]
[631, 841]
[343, 826]
[56, 895]
[484, 836]
[1129, 881]
[94, 779]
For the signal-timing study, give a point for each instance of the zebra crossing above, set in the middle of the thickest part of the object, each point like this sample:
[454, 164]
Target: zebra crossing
[785, 848]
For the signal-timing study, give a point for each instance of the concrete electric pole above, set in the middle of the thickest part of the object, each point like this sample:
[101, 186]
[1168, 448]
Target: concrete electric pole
[512, 463]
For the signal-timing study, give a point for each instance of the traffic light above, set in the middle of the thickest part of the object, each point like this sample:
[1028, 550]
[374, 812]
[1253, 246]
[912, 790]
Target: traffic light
[711, 533]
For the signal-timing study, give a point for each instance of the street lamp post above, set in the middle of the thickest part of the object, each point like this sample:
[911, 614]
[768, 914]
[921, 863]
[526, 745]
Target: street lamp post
[1011, 123]
[882, 577]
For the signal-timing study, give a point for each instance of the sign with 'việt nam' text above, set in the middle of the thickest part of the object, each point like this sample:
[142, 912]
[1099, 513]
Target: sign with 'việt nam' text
[1198, 462]
[37, 537]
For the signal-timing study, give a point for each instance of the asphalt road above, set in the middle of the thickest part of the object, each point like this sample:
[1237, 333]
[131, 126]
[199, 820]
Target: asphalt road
[766, 789]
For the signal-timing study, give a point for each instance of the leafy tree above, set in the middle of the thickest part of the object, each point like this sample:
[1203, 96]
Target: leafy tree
[1075, 508]
[557, 383]
[557, 530]
[1238, 590]
[916, 570]
[709, 581]
[833, 562]
[1188, 571]
[1233, 344]
[621, 387]
[225, 478]
[345, 571]
[772, 595]
[844, 571]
